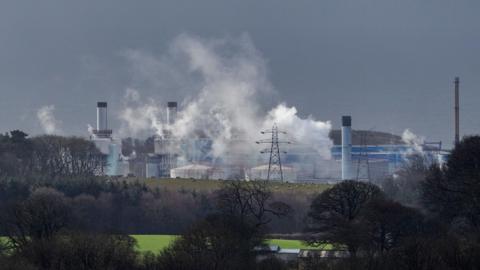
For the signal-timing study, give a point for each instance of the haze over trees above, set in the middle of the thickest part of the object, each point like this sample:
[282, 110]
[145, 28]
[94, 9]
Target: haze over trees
[405, 186]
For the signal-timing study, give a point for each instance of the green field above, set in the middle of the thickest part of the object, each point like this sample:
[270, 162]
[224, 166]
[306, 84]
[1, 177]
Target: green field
[153, 243]
[156, 243]
[287, 243]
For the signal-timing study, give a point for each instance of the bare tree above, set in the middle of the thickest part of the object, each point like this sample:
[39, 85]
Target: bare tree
[250, 202]
[226, 239]
[41, 216]
[334, 215]
[61, 156]
[15, 154]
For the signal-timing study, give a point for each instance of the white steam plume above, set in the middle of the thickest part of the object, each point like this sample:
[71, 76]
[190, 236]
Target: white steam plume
[305, 131]
[413, 140]
[90, 129]
[227, 79]
[49, 123]
[138, 117]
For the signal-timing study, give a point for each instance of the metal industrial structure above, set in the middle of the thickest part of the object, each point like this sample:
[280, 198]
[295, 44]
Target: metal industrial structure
[347, 172]
[171, 112]
[358, 155]
[275, 171]
[102, 130]
[457, 110]
[363, 162]
[166, 147]
[103, 139]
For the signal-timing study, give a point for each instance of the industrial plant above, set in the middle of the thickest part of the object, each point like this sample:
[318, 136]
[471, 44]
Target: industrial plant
[354, 154]
[103, 139]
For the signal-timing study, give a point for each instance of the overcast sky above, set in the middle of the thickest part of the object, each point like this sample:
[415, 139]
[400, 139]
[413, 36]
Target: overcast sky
[388, 63]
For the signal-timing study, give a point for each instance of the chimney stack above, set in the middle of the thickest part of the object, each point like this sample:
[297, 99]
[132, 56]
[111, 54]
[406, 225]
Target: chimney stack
[102, 116]
[102, 130]
[457, 110]
[171, 112]
[347, 148]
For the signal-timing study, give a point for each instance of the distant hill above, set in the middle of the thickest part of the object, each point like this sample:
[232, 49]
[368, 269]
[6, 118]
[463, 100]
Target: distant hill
[360, 137]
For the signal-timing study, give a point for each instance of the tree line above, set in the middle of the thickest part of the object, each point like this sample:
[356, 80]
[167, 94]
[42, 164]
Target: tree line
[424, 217]
[48, 156]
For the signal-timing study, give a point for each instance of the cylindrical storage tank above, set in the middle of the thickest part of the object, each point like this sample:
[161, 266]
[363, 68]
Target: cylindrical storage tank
[347, 148]
[171, 112]
[192, 171]
[261, 173]
[102, 116]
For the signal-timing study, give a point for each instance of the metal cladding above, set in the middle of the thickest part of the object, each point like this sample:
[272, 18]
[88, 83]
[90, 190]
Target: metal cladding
[102, 130]
[457, 110]
[171, 112]
[101, 116]
[166, 148]
[103, 140]
[347, 171]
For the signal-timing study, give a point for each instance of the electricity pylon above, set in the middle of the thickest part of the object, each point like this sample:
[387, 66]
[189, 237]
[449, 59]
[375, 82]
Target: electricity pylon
[275, 171]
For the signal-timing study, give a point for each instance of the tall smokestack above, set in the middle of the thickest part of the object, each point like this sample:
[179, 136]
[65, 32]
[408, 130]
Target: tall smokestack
[347, 148]
[457, 110]
[102, 130]
[102, 116]
[171, 112]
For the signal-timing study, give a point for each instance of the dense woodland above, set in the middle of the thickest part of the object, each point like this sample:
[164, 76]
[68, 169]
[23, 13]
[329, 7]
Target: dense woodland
[57, 214]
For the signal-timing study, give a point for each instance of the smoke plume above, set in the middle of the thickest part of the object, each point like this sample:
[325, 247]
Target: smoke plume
[49, 123]
[138, 117]
[305, 131]
[223, 81]
[413, 140]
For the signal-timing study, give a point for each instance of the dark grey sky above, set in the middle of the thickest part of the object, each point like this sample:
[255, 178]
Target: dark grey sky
[389, 63]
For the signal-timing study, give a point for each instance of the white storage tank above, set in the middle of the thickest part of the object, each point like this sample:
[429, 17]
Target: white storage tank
[192, 171]
[261, 173]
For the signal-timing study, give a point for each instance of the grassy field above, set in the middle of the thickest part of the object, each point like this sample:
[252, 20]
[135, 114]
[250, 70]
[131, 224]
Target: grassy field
[156, 243]
[287, 243]
[212, 185]
[153, 243]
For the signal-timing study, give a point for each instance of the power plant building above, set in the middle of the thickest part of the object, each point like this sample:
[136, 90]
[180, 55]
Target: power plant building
[192, 158]
[104, 141]
[166, 148]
